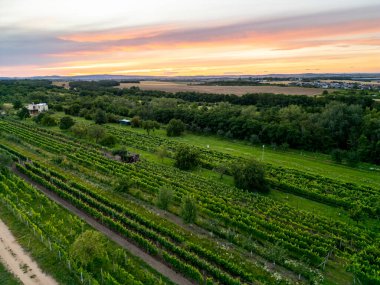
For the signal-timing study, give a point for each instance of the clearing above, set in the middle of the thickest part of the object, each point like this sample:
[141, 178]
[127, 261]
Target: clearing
[236, 90]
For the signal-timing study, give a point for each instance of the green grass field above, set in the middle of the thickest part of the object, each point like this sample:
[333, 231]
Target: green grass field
[316, 163]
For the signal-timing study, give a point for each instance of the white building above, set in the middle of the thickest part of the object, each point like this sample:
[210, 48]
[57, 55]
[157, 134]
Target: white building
[37, 108]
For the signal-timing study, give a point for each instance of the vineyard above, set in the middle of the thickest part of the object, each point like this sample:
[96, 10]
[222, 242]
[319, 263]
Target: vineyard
[311, 186]
[252, 227]
[56, 230]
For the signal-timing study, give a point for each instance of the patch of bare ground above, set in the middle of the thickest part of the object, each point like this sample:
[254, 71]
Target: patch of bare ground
[236, 90]
[18, 262]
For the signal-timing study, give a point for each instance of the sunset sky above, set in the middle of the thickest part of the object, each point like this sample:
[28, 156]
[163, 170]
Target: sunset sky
[196, 37]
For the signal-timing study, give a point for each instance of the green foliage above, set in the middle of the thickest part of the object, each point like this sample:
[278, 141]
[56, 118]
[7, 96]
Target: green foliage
[136, 122]
[17, 104]
[189, 210]
[165, 196]
[96, 132]
[356, 213]
[337, 155]
[108, 140]
[48, 121]
[352, 158]
[79, 130]
[89, 247]
[150, 125]
[123, 185]
[162, 152]
[250, 175]
[66, 123]
[186, 158]
[5, 159]
[23, 113]
[100, 117]
[175, 128]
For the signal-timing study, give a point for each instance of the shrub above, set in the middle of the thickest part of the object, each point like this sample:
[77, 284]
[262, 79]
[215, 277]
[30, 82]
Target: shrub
[186, 158]
[250, 175]
[165, 196]
[66, 123]
[108, 140]
[175, 128]
[188, 209]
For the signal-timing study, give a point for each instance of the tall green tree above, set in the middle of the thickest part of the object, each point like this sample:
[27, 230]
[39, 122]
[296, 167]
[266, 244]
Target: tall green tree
[100, 117]
[250, 175]
[175, 128]
[186, 158]
[66, 123]
[89, 249]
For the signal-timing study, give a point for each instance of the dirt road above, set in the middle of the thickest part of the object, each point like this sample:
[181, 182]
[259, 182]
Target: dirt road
[19, 262]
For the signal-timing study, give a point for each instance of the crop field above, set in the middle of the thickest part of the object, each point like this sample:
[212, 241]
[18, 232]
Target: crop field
[272, 243]
[236, 90]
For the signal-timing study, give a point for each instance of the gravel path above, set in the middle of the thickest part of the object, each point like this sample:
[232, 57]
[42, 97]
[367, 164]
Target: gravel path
[18, 262]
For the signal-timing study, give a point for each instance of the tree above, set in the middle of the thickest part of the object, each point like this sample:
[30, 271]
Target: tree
[79, 130]
[23, 113]
[96, 132]
[17, 104]
[250, 175]
[175, 128]
[186, 158]
[188, 209]
[150, 125]
[222, 168]
[66, 123]
[48, 121]
[89, 248]
[337, 155]
[136, 122]
[108, 140]
[100, 117]
[165, 196]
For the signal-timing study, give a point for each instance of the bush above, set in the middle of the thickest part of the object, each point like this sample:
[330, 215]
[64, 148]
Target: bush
[186, 158]
[175, 128]
[100, 117]
[188, 209]
[250, 175]
[66, 123]
[96, 132]
[136, 122]
[79, 130]
[23, 113]
[48, 121]
[165, 196]
[108, 140]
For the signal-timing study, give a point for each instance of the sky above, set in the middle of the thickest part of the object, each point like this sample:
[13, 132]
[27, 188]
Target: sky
[197, 37]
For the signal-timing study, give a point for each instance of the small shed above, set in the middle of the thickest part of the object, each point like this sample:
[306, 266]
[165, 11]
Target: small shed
[125, 122]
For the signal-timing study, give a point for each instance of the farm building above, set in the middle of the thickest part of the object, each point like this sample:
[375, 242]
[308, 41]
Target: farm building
[34, 109]
[125, 122]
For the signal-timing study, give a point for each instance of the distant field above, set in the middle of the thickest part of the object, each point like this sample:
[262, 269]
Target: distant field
[64, 84]
[237, 90]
